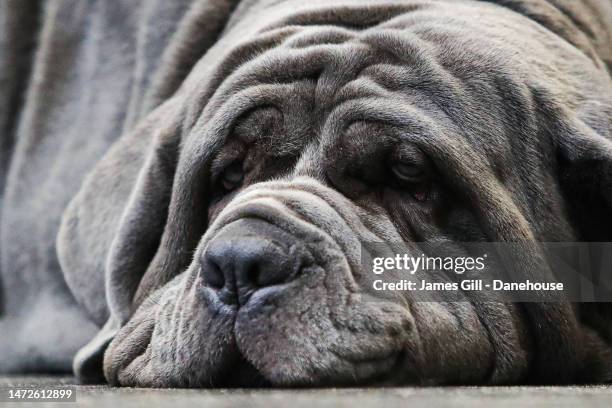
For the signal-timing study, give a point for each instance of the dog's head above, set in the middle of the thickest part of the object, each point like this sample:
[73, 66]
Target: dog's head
[233, 254]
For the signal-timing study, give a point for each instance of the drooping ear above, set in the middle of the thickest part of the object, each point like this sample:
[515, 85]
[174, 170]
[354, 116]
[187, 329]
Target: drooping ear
[584, 157]
[112, 231]
[112, 228]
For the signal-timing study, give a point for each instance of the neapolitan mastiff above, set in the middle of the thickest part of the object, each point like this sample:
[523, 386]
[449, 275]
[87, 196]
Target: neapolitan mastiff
[209, 169]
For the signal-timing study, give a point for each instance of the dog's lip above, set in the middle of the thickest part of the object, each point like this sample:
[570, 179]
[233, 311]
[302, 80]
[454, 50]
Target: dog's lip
[258, 298]
[245, 375]
[378, 370]
[382, 368]
[365, 371]
[216, 307]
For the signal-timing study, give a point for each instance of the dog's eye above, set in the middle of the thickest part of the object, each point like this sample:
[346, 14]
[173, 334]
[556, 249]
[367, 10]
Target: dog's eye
[232, 176]
[408, 171]
[413, 178]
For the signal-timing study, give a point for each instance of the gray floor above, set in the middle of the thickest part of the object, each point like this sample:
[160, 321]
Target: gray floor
[513, 397]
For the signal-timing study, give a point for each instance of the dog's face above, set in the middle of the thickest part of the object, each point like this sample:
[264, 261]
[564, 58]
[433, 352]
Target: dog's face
[326, 139]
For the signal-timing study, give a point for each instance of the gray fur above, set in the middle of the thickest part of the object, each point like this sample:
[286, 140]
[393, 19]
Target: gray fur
[127, 106]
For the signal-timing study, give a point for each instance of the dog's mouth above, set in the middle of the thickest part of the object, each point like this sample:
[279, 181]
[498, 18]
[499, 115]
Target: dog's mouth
[247, 346]
[243, 374]
[265, 365]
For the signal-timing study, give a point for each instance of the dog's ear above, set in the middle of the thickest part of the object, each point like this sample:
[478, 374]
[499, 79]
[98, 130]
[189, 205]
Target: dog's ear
[584, 159]
[129, 225]
[111, 230]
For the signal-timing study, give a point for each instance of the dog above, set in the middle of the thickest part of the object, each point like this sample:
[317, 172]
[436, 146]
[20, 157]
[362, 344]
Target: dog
[211, 169]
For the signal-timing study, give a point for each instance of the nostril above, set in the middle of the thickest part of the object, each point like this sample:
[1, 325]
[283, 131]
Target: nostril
[254, 275]
[259, 262]
[212, 275]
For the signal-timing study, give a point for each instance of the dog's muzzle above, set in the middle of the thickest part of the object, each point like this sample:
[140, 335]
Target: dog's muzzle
[249, 255]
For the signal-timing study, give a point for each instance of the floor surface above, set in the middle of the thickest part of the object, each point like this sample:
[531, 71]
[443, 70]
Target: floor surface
[412, 397]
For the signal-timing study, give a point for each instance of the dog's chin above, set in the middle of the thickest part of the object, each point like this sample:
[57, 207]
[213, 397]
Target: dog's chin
[270, 371]
[293, 362]
[266, 369]
[312, 351]
[290, 374]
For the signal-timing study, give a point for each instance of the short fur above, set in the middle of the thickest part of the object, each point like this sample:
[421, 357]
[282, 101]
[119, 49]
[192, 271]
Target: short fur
[115, 116]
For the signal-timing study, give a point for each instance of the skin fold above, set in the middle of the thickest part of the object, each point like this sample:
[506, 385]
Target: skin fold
[285, 135]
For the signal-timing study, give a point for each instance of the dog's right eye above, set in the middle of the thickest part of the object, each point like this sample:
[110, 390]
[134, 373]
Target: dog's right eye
[413, 173]
[408, 171]
[412, 178]
[233, 176]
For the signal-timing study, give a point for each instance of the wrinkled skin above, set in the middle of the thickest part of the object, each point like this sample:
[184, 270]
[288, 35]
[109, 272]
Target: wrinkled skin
[328, 136]
[289, 139]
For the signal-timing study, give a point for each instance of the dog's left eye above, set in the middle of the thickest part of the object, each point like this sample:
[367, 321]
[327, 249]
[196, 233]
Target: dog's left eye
[233, 176]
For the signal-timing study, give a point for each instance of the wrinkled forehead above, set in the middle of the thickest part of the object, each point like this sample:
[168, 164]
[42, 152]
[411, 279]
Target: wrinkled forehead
[318, 73]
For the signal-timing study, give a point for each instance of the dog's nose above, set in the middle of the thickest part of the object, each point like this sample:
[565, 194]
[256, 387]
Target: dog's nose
[248, 255]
